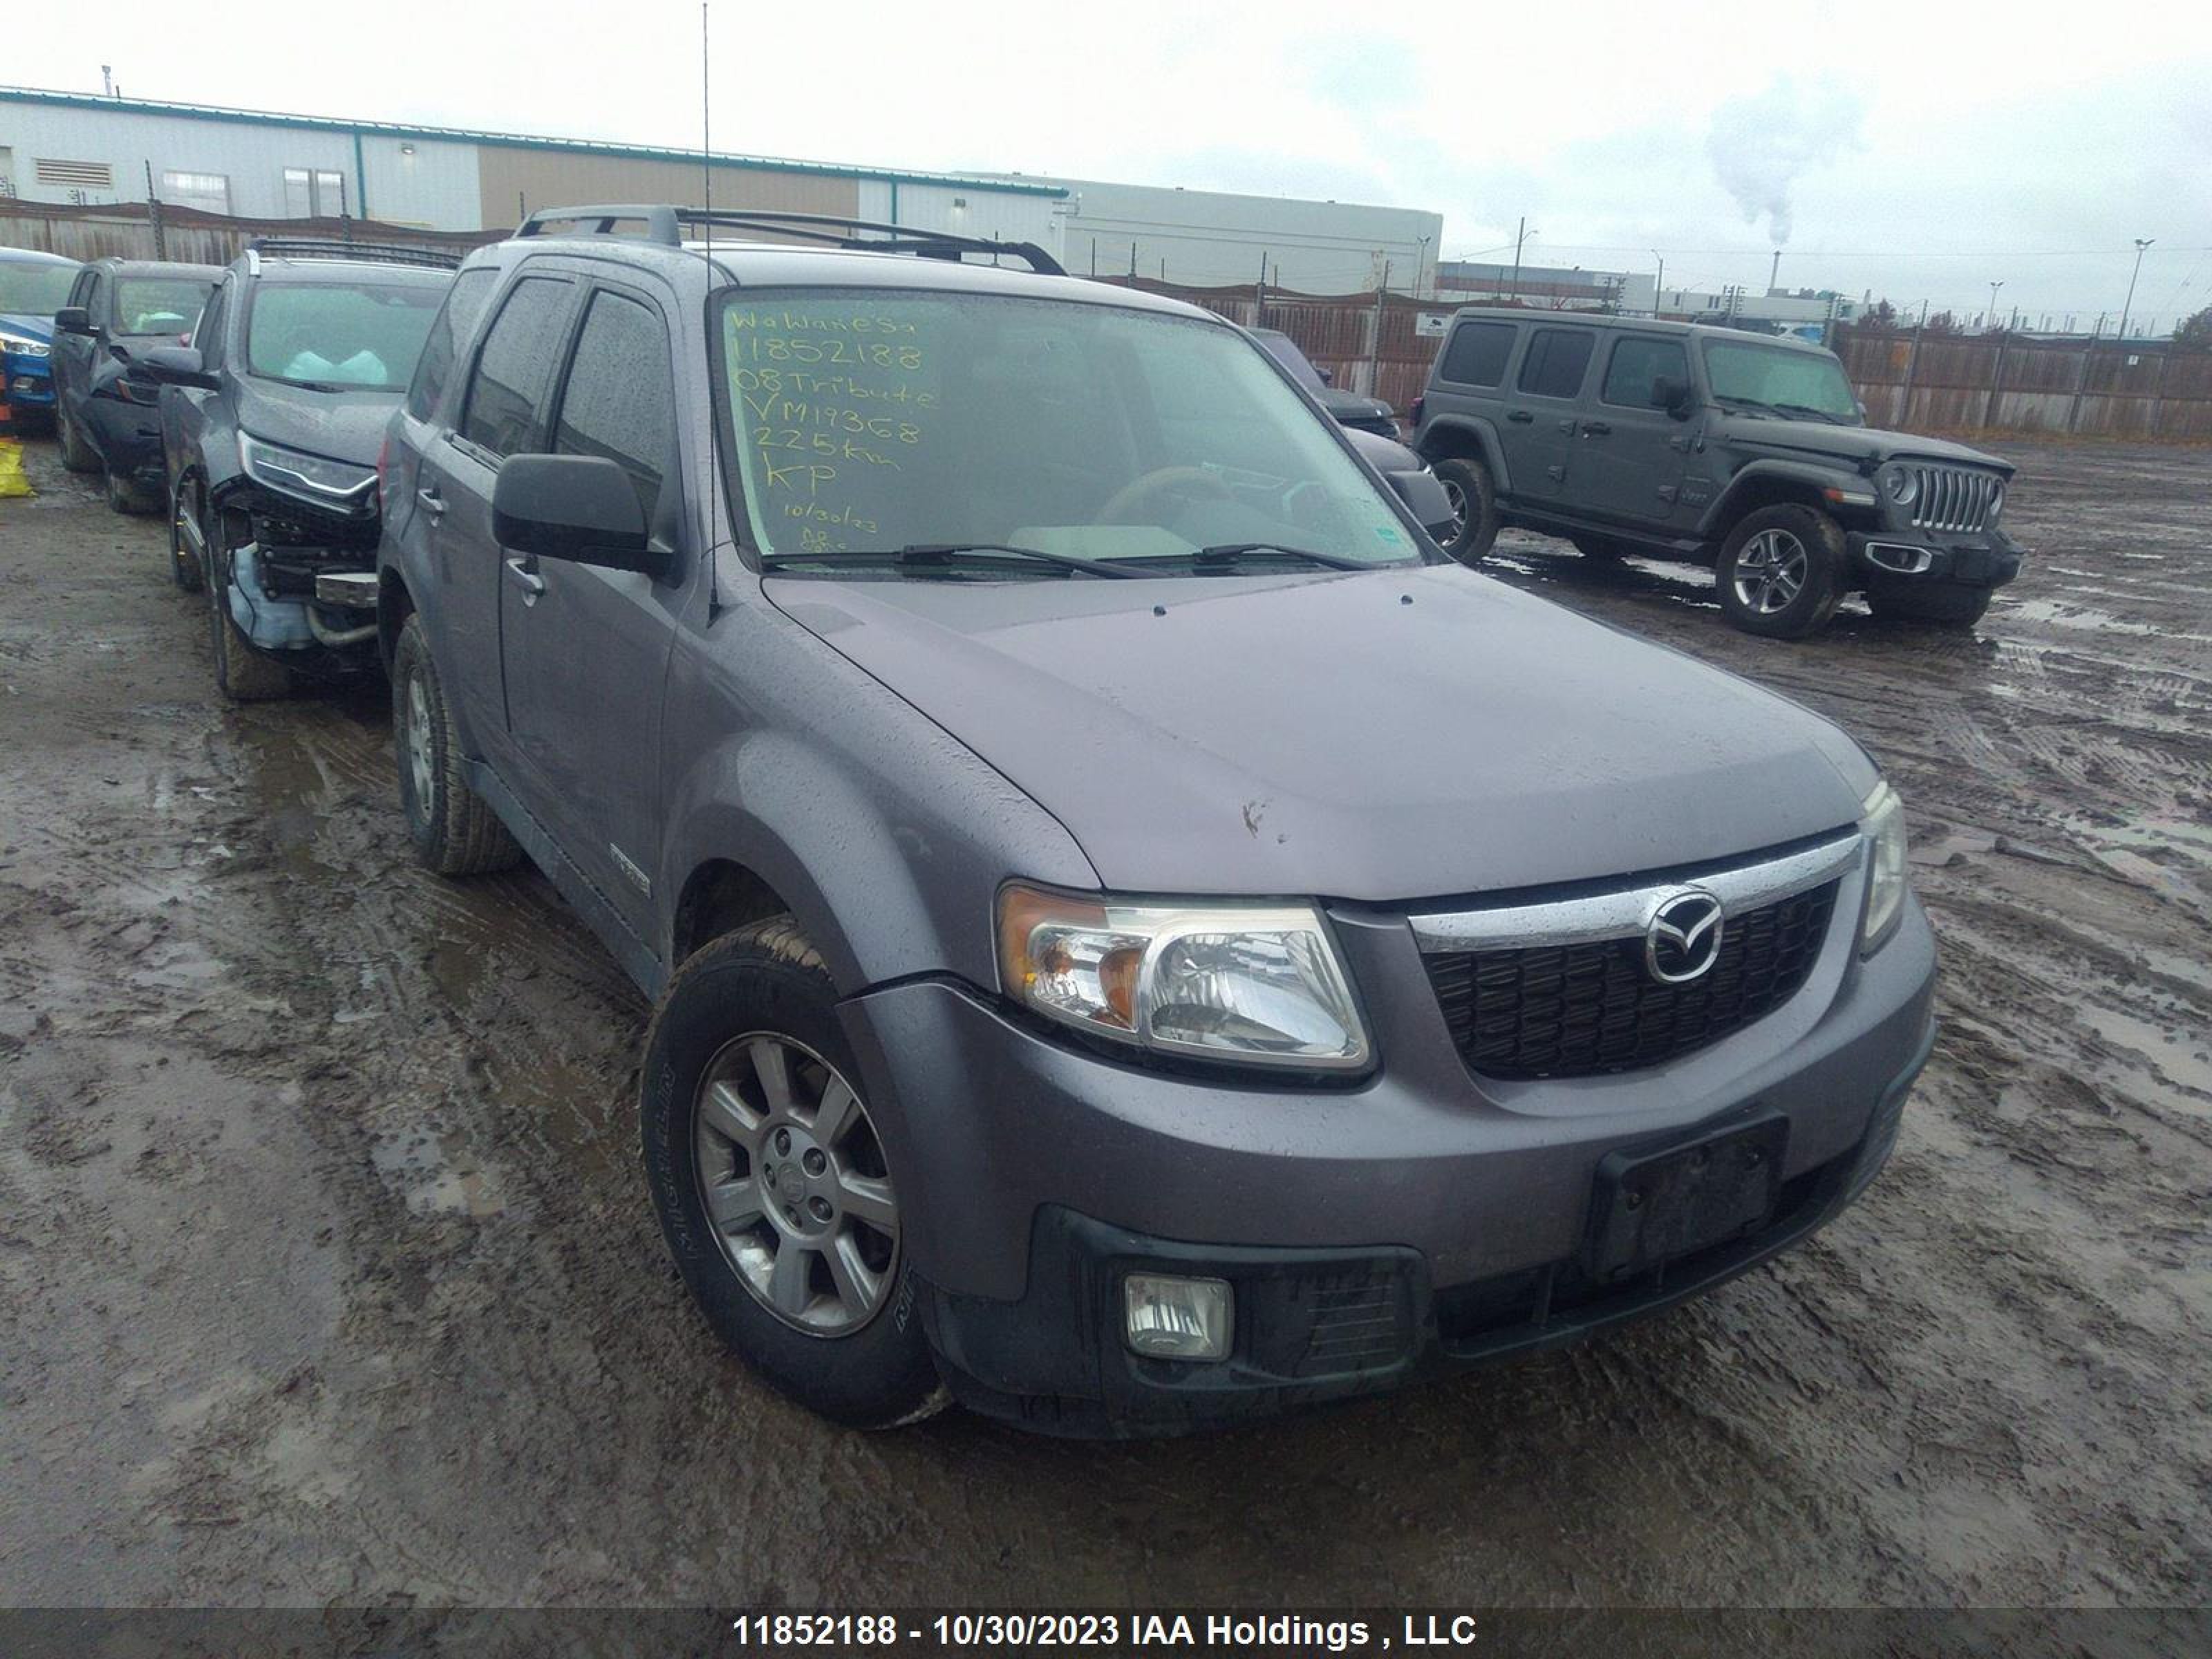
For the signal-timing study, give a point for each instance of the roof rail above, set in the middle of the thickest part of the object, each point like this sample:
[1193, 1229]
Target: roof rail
[664, 225]
[383, 253]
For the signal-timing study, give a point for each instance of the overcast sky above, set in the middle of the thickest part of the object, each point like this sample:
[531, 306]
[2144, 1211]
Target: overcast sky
[1922, 151]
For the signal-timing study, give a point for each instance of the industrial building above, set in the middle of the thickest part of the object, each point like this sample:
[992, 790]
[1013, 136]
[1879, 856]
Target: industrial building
[82, 149]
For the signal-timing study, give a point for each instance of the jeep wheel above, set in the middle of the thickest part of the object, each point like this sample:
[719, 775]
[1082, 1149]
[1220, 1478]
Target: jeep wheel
[1782, 572]
[77, 455]
[773, 1189]
[241, 673]
[455, 831]
[1943, 604]
[1475, 508]
[183, 563]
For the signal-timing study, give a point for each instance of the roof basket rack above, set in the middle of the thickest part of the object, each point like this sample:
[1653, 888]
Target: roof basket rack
[382, 253]
[665, 225]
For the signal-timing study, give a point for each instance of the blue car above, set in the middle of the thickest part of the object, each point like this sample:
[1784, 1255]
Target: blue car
[33, 287]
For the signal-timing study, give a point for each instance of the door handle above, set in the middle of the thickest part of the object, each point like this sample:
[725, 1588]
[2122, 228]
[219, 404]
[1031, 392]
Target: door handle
[1520, 416]
[1596, 429]
[432, 502]
[531, 584]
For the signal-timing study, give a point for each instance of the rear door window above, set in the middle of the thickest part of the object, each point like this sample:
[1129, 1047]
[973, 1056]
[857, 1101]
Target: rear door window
[1477, 354]
[1556, 360]
[449, 336]
[506, 393]
[620, 398]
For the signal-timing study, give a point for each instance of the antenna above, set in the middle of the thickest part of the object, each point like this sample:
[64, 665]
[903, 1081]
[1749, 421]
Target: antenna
[714, 490]
[706, 128]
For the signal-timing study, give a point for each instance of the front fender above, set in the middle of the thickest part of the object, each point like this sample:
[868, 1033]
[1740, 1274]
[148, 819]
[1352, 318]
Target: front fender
[886, 835]
[1781, 479]
[1481, 430]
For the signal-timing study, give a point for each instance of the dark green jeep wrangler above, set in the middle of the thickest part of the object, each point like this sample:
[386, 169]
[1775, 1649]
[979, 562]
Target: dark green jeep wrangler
[1740, 451]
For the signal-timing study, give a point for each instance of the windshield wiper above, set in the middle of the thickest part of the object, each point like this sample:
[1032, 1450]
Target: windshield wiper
[1225, 556]
[1827, 415]
[922, 557]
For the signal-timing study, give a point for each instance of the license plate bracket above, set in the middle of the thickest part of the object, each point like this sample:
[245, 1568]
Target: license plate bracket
[1651, 1207]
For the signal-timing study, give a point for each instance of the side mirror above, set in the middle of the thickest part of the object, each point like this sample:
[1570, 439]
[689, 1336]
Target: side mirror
[171, 366]
[1673, 396]
[582, 508]
[74, 320]
[1425, 498]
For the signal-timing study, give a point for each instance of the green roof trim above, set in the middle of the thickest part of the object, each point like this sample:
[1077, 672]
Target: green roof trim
[508, 140]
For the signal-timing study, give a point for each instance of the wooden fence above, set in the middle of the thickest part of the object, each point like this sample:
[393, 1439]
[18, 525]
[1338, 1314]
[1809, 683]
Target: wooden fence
[1925, 382]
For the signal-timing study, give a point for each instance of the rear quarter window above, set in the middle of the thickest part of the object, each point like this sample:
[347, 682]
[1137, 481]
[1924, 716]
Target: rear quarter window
[1476, 354]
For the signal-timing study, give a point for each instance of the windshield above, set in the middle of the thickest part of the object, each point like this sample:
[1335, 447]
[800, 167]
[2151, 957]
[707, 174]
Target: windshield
[869, 421]
[159, 305]
[1794, 382]
[341, 336]
[30, 288]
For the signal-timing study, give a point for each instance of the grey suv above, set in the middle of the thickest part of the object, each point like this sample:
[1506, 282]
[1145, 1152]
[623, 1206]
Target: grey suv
[1139, 939]
[1740, 451]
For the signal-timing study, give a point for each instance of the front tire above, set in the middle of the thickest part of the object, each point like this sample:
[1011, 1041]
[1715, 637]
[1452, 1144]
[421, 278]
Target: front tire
[241, 673]
[77, 455]
[454, 830]
[1474, 507]
[1947, 604]
[123, 496]
[1781, 573]
[774, 1190]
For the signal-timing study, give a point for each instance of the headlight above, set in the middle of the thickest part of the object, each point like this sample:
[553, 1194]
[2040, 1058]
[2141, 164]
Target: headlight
[1257, 984]
[1996, 503]
[313, 477]
[1902, 484]
[1883, 822]
[21, 345]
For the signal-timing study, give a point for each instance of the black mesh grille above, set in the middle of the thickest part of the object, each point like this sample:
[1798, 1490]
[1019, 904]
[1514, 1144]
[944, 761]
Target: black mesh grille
[1572, 1011]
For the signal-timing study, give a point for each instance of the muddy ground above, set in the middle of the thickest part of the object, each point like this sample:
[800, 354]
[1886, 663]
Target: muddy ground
[327, 1272]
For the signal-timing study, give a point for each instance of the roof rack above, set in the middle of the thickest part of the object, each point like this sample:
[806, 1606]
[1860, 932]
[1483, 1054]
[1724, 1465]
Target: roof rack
[664, 225]
[382, 253]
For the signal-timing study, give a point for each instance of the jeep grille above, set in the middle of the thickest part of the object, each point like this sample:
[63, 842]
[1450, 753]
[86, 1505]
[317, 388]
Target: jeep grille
[1951, 498]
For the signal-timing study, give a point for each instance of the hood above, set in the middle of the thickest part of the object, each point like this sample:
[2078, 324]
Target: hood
[1380, 735]
[30, 327]
[1351, 406]
[343, 425]
[1852, 442]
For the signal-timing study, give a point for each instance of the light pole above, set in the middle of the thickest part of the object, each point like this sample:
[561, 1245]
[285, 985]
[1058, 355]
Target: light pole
[1659, 286]
[1994, 287]
[2142, 242]
[1420, 265]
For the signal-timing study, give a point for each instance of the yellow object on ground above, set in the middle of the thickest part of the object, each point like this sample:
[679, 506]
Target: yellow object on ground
[12, 480]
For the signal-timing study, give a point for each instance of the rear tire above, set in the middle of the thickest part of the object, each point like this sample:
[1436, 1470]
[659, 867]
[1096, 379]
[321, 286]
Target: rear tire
[1474, 501]
[1781, 572]
[455, 831]
[842, 1334]
[77, 455]
[1947, 604]
[241, 673]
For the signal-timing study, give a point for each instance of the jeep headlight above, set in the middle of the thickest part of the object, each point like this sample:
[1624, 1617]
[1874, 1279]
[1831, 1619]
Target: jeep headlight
[1256, 984]
[1902, 484]
[316, 479]
[1881, 821]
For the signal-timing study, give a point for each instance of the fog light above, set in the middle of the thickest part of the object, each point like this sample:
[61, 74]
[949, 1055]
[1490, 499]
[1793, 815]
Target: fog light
[1176, 1318]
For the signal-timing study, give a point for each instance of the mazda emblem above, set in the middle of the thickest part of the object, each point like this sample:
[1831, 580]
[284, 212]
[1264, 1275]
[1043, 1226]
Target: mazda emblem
[1682, 940]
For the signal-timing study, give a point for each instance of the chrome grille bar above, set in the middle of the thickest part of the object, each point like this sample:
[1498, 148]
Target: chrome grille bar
[1952, 498]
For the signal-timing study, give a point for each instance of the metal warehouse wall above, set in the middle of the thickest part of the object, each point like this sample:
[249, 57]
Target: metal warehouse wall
[966, 210]
[435, 186]
[1208, 238]
[517, 179]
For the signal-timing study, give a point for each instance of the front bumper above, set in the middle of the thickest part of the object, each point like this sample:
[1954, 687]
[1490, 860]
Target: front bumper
[1448, 1210]
[1989, 559]
[127, 436]
[27, 384]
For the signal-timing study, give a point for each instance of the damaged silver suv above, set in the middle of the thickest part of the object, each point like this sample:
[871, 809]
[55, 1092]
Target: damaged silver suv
[270, 424]
[1139, 939]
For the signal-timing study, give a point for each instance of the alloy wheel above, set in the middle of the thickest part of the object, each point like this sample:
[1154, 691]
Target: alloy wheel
[1457, 498]
[795, 1184]
[1771, 571]
[421, 768]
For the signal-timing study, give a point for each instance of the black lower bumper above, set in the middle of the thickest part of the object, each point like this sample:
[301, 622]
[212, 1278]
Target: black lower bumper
[128, 437]
[1912, 557]
[1313, 1326]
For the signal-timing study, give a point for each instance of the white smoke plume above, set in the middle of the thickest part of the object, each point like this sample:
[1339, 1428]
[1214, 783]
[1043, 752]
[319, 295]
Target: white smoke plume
[1762, 142]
